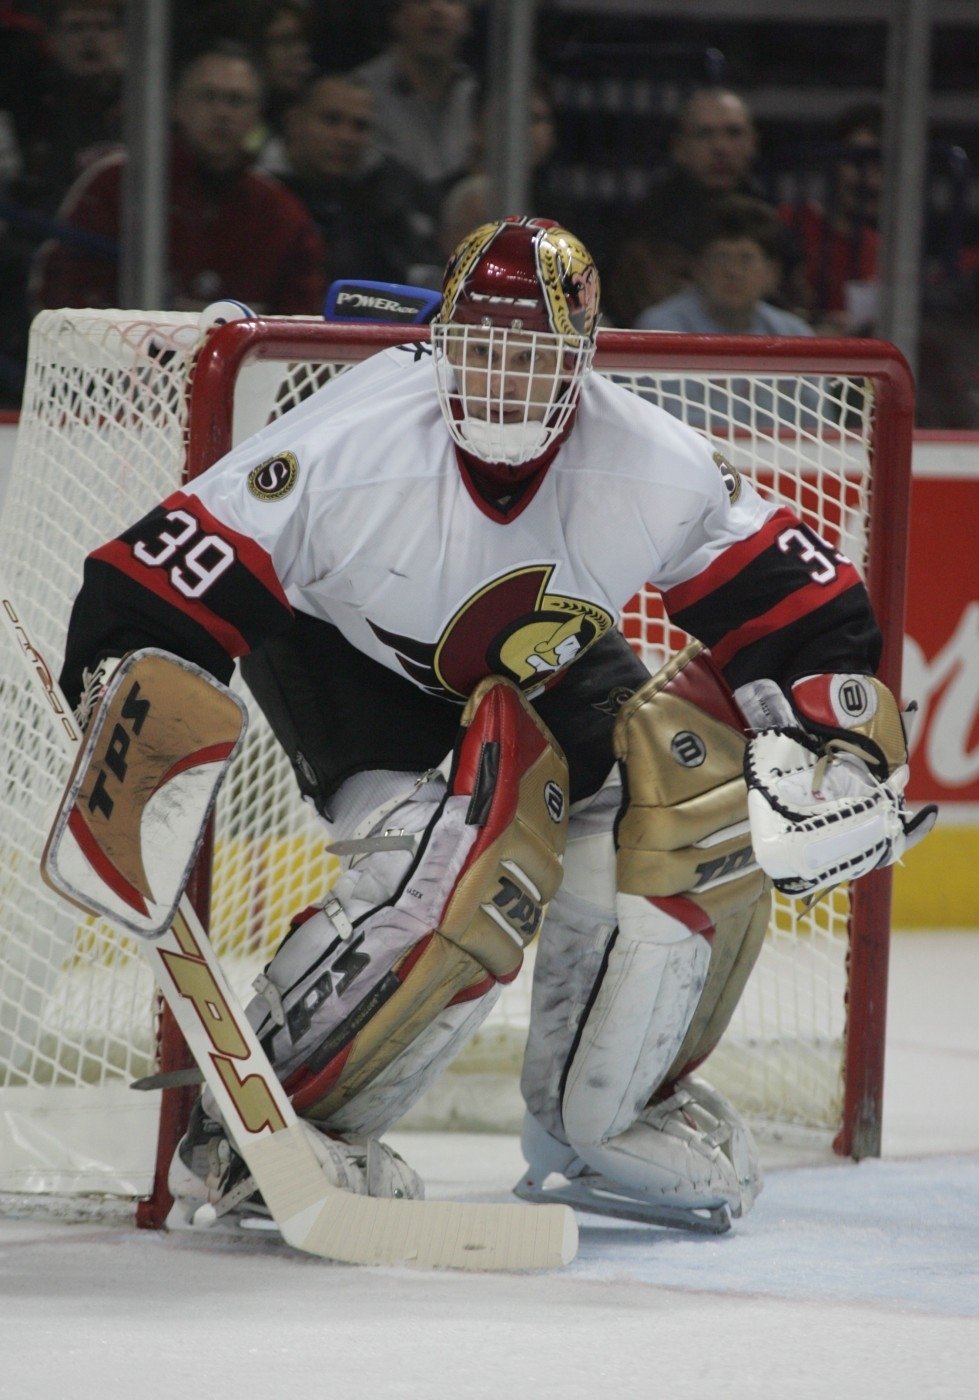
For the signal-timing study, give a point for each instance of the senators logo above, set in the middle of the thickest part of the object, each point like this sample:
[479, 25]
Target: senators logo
[732, 479]
[275, 478]
[513, 627]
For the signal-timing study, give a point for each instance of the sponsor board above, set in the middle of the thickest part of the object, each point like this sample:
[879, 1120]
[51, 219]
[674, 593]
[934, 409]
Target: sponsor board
[936, 887]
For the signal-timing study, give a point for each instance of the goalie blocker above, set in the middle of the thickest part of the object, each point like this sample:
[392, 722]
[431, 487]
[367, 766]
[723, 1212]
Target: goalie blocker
[132, 818]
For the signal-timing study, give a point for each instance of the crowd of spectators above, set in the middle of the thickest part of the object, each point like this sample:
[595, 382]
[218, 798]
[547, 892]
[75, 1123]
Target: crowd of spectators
[320, 139]
[838, 237]
[234, 232]
[737, 264]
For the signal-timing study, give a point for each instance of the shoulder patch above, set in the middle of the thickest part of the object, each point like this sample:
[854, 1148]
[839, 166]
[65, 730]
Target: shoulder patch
[274, 478]
[732, 479]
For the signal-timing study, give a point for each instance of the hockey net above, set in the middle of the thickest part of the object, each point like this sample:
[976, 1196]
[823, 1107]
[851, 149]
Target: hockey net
[118, 407]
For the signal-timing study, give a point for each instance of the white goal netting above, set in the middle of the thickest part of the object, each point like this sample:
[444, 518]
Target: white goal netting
[102, 437]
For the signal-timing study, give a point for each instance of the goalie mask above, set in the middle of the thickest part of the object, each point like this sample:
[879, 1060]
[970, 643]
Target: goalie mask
[514, 338]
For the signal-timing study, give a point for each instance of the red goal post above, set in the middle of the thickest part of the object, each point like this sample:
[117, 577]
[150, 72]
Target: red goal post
[825, 424]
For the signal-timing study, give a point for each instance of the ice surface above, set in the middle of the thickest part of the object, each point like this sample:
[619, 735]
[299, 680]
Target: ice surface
[847, 1280]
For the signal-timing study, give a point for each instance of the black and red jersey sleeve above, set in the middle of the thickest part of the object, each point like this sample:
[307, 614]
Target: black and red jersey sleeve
[780, 603]
[178, 579]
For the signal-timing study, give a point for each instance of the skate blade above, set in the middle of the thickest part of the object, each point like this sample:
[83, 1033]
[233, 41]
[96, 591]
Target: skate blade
[599, 1197]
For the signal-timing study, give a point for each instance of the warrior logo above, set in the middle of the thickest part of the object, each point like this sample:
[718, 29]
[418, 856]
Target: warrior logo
[854, 700]
[512, 627]
[688, 749]
[274, 478]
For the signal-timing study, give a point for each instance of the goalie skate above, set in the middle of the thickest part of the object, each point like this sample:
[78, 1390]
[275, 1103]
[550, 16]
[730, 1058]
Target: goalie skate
[211, 1183]
[707, 1169]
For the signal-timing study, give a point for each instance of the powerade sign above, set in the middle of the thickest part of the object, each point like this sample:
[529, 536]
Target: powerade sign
[379, 302]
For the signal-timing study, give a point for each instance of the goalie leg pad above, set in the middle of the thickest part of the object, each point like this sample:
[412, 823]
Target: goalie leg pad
[654, 974]
[388, 996]
[691, 913]
[684, 839]
[739, 914]
[681, 740]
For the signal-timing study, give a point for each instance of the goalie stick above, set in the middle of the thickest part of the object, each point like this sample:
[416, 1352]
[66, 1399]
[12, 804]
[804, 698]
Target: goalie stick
[311, 1214]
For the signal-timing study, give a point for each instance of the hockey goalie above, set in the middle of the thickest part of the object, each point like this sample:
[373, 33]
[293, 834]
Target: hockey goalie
[419, 571]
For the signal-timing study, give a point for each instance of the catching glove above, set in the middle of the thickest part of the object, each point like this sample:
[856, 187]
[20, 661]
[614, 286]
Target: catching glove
[826, 773]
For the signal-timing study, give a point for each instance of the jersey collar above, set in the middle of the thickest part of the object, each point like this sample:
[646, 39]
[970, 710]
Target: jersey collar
[503, 492]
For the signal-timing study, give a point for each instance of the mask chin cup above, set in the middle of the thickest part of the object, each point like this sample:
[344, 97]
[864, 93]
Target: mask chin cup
[511, 443]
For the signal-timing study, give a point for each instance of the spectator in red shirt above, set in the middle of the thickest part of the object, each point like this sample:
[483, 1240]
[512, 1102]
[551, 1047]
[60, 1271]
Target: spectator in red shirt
[233, 231]
[839, 239]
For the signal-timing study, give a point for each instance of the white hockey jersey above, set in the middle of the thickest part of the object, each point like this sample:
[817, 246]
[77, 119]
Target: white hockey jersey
[356, 508]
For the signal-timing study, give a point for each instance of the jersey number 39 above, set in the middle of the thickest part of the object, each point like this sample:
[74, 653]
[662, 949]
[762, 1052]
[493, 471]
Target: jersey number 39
[195, 560]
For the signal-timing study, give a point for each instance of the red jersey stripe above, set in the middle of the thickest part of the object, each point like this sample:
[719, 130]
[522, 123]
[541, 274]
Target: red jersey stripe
[728, 565]
[787, 611]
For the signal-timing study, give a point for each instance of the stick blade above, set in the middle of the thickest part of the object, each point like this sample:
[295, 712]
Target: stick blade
[351, 1229]
[446, 1235]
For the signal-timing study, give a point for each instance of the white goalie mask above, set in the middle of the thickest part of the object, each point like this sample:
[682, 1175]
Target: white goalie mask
[514, 338]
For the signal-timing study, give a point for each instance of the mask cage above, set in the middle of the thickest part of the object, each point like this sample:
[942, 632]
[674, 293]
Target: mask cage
[507, 393]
